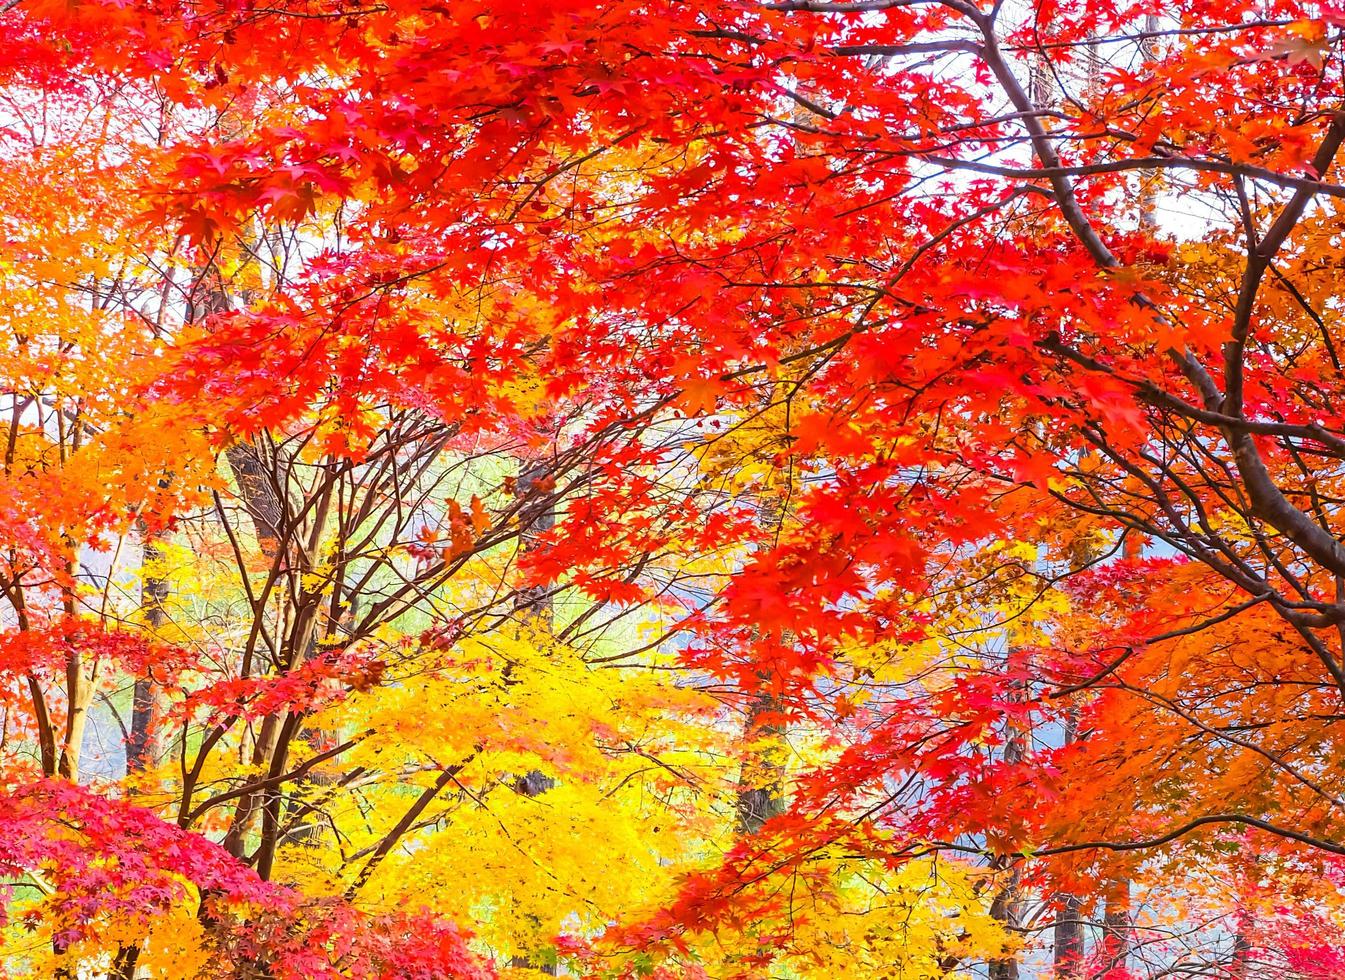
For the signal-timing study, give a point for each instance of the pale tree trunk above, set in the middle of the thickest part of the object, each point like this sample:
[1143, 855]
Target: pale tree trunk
[79, 688]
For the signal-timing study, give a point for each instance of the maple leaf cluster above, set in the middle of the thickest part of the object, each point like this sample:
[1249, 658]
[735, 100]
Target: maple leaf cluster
[804, 488]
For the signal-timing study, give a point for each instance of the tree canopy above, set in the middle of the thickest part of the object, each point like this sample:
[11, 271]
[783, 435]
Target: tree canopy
[626, 488]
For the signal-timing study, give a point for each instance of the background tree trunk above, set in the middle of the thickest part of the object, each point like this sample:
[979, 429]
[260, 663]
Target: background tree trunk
[144, 742]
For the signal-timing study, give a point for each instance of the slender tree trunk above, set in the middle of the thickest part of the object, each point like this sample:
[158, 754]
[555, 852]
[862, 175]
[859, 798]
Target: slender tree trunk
[46, 734]
[1069, 949]
[534, 606]
[1007, 907]
[1068, 946]
[143, 743]
[761, 792]
[79, 690]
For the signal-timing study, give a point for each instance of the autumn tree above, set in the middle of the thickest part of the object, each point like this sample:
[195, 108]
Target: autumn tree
[948, 388]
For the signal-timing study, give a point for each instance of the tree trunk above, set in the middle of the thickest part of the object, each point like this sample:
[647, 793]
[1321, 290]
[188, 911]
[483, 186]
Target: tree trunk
[761, 792]
[1068, 946]
[1067, 958]
[79, 691]
[533, 605]
[1007, 908]
[143, 743]
[1116, 923]
[761, 795]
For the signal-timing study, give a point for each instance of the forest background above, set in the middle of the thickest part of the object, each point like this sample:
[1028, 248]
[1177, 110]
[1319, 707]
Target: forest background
[813, 488]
